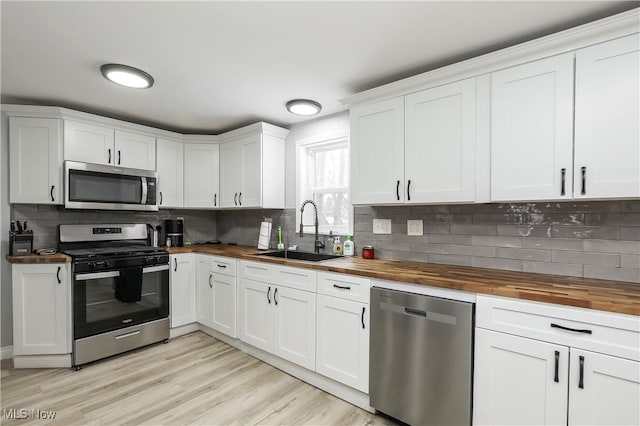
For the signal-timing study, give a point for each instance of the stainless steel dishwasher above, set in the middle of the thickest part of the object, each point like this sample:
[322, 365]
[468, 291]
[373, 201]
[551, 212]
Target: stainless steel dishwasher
[421, 359]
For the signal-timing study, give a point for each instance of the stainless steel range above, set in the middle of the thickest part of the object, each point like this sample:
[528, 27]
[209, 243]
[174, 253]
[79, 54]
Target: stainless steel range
[120, 289]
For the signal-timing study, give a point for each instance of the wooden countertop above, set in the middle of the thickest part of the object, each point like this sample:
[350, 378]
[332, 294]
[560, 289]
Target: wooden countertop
[34, 258]
[604, 295]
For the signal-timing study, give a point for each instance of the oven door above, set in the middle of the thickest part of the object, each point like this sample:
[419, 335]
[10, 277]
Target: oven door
[94, 186]
[100, 306]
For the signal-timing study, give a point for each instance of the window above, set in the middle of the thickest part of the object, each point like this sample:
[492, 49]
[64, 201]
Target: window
[323, 176]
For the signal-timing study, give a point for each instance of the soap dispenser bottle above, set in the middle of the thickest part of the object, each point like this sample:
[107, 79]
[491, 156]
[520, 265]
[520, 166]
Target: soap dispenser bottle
[348, 248]
[337, 246]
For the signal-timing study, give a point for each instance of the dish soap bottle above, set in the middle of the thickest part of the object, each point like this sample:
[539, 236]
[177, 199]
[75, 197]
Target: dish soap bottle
[348, 247]
[337, 246]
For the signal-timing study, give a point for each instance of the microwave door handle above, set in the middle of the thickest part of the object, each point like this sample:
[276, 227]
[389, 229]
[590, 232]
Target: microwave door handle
[144, 190]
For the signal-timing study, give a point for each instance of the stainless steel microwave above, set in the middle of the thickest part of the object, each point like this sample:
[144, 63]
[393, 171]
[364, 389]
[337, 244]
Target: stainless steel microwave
[94, 186]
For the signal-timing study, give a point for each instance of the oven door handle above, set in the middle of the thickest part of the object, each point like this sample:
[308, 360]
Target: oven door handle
[98, 275]
[155, 269]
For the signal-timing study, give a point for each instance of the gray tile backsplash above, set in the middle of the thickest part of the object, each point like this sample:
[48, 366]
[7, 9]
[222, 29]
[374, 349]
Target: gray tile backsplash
[586, 239]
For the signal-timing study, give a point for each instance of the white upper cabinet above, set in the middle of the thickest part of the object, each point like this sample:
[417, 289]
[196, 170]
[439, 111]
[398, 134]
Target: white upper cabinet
[90, 143]
[170, 162]
[35, 150]
[135, 151]
[201, 175]
[252, 167]
[377, 152]
[440, 143]
[607, 135]
[532, 130]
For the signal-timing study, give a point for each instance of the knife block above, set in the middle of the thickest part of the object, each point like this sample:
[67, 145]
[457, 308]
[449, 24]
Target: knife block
[20, 243]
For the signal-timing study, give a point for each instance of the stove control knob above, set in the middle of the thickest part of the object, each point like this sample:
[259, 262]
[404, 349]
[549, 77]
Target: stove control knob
[92, 265]
[107, 264]
[148, 260]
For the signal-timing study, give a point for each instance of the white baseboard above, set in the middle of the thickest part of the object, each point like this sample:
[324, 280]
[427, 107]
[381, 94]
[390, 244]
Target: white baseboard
[183, 329]
[42, 361]
[337, 389]
[6, 352]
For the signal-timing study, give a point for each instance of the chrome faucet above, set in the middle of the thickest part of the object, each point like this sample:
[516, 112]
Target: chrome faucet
[317, 243]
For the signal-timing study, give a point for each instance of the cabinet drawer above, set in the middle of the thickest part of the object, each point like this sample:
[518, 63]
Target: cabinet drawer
[299, 278]
[223, 265]
[344, 286]
[255, 271]
[598, 331]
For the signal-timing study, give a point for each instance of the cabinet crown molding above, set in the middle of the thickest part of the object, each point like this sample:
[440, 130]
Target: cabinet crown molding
[599, 31]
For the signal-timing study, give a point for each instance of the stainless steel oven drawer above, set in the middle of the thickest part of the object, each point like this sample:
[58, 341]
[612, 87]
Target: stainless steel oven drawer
[114, 342]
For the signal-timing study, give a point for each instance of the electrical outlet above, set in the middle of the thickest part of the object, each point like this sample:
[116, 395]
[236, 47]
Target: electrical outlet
[381, 226]
[414, 227]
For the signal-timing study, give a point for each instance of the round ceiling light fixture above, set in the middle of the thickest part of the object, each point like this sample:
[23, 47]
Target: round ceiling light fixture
[303, 107]
[127, 76]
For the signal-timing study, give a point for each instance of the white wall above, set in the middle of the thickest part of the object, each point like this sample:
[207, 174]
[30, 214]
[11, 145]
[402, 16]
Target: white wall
[6, 332]
[329, 125]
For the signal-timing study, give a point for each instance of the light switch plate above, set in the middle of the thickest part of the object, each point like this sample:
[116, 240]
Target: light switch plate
[381, 226]
[414, 227]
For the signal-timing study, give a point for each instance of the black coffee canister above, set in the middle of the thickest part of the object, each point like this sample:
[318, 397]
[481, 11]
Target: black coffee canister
[173, 230]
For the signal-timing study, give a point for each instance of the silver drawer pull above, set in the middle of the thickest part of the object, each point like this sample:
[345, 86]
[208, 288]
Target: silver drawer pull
[124, 336]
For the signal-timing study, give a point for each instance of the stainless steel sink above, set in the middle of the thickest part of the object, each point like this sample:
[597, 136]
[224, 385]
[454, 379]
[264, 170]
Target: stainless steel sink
[299, 255]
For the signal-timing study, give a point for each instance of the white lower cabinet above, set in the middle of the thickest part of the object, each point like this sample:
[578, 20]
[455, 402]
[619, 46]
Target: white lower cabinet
[41, 309]
[276, 318]
[216, 294]
[182, 284]
[342, 351]
[567, 365]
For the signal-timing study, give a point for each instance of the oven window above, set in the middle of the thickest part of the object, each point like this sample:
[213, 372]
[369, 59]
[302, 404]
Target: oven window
[101, 303]
[87, 186]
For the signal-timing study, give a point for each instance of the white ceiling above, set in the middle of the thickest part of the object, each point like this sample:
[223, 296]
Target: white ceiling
[221, 65]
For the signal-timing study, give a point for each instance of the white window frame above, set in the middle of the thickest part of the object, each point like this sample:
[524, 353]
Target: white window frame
[303, 190]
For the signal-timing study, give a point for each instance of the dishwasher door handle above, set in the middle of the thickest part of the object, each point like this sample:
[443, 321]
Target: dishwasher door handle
[415, 312]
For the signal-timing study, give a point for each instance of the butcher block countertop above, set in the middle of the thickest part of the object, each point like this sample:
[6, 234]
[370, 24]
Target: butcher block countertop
[612, 296]
[34, 258]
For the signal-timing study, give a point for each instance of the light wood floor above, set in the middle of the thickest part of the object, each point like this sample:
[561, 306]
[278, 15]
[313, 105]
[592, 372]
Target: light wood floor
[194, 379]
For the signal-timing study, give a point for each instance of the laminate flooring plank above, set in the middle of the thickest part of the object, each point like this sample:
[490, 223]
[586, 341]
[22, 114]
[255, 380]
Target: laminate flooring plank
[195, 379]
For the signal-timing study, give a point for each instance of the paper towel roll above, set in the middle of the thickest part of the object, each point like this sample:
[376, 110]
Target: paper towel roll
[265, 235]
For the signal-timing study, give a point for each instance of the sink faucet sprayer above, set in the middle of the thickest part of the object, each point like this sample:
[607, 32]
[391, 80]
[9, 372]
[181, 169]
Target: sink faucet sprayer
[317, 244]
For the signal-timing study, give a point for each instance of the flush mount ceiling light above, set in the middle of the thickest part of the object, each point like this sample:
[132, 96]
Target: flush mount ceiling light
[127, 76]
[303, 107]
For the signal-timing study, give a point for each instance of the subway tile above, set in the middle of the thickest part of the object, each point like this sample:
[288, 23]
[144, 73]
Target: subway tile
[608, 246]
[616, 274]
[586, 258]
[572, 270]
[507, 218]
[553, 243]
[630, 261]
[599, 232]
[474, 229]
[612, 219]
[419, 246]
[525, 230]
[462, 250]
[629, 233]
[450, 239]
[630, 206]
[504, 264]
[573, 218]
[401, 255]
[395, 245]
[436, 228]
[448, 259]
[363, 227]
[524, 254]
[496, 241]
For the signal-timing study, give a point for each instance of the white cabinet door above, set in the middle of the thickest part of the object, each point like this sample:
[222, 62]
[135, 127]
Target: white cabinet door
[204, 290]
[223, 315]
[88, 143]
[377, 153]
[251, 192]
[134, 150]
[342, 351]
[440, 143]
[515, 381]
[170, 157]
[532, 130]
[231, 170]
[256, 314]
[295, 326]
[201, 175]
[35, 150]
[603, 390]
[41, 309]
[607, 140]
[183, 289]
